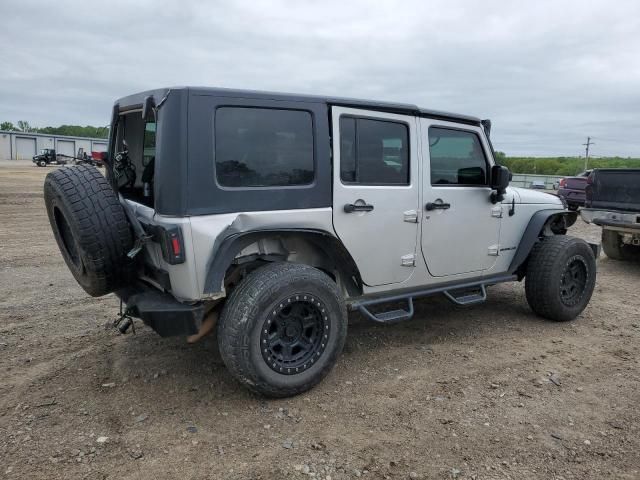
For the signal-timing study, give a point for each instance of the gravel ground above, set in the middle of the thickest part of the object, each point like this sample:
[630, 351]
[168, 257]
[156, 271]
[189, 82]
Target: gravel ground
[486, 392]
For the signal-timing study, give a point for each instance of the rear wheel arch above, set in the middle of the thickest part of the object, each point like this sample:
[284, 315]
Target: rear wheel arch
[316, 248]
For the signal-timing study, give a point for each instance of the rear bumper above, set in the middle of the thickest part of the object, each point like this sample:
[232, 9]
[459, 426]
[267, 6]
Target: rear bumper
[161, 311]
[612, 219]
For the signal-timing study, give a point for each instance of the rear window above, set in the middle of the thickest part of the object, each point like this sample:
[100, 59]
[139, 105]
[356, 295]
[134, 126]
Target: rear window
[262, 147]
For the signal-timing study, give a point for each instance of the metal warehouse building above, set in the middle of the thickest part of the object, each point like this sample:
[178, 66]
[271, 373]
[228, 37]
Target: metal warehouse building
[23, 146]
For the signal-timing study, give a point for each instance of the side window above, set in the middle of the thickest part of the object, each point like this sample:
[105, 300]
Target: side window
[262, 147]
[457, 157]
[373, 152]
[149, 143]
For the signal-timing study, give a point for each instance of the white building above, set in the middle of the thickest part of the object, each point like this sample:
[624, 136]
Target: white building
[23, 146]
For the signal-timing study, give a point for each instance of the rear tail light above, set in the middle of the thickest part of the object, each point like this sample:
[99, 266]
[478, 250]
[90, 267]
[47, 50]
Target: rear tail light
[588, 191]
[172, 245]
[175, 246]
[563, 182]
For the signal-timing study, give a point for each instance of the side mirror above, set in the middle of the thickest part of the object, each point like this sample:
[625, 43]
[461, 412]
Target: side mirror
[500, 177]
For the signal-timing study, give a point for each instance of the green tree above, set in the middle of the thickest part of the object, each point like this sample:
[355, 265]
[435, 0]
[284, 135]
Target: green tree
[8, 127]
[500, 157]
[24, 126]
[77, 131]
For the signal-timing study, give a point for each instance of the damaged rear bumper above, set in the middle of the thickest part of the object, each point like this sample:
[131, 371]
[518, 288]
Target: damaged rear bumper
[161, 311]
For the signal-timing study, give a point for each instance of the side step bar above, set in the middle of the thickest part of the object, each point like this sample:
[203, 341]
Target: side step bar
[464, 293]
[466, 298]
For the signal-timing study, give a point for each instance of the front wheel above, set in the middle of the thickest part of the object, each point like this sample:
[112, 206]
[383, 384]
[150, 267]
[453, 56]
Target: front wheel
[282, 329]
[560, 278]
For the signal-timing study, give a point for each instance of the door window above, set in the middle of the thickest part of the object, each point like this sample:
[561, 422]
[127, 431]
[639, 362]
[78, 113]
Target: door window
[457, 158]
[373, 152]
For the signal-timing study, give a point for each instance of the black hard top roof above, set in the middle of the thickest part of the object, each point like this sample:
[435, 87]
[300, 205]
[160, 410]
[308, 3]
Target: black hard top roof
[136, 100]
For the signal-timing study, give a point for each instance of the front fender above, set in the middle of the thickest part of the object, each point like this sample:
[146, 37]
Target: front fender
[534, 230]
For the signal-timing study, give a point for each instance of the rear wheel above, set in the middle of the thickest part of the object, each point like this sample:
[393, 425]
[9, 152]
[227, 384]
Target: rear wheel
[615, 249]
[561, 276]
[282, 329]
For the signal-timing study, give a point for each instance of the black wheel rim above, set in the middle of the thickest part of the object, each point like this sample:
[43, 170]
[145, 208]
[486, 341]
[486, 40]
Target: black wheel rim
[573, 281]
[295, 334]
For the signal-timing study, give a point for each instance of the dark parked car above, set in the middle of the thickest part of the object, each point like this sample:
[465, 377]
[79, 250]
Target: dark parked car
[572, 189]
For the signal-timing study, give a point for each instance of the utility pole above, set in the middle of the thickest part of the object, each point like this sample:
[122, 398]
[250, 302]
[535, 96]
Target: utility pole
[586, 157]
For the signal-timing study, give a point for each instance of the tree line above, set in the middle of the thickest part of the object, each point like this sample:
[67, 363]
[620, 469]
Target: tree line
[70, 130]
[561, 166]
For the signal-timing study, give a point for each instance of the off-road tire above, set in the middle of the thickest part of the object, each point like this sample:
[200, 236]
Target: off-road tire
[90, 227]
[42, 163]
[247, 311]
[548, 279]
[615, 249]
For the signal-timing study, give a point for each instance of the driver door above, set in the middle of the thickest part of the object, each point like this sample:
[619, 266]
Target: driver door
[461, 227]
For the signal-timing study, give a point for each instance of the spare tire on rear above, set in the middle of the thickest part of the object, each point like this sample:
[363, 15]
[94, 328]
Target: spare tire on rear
[91, 228]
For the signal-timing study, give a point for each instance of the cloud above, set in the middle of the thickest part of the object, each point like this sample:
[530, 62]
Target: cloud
[547, 73]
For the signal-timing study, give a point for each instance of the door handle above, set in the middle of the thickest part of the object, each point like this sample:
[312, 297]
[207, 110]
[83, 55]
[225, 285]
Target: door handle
[437, 205]
[351, 207]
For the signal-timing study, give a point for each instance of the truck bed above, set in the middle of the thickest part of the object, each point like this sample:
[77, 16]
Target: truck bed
[614, 189]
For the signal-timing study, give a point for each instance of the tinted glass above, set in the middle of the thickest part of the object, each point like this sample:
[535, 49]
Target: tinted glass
[374, 152]
[260, 147]
[149, 142]
[457, 158]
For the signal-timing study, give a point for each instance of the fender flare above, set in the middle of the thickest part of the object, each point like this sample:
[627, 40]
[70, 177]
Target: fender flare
[233, 244]
[531, 235]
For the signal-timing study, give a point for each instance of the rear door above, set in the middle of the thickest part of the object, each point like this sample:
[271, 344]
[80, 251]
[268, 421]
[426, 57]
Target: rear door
[375, 192]
[461, 227]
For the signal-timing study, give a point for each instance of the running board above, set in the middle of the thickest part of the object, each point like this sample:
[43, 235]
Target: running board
[466, 298]
[392, 316]
[464, 293]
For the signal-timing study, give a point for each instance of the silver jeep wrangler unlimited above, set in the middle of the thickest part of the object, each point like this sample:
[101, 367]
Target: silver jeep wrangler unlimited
[275, 214]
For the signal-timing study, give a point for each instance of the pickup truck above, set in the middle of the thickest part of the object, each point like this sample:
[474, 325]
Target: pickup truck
[613, 203]
[571, 189]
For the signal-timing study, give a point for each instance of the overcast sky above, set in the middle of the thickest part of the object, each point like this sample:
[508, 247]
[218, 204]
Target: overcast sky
[548, 73]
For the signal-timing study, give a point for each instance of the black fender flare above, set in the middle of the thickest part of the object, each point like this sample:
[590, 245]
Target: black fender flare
[226, 250]
[532, 234]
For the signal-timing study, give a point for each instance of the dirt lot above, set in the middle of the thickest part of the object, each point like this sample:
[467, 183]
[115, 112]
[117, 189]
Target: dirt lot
[487, 392]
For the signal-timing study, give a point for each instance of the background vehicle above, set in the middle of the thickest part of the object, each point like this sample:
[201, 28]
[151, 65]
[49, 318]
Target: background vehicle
[96, 158]
[572, 189]
[537, 185]
[48, 156]
[277, 213]
[613, 202]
